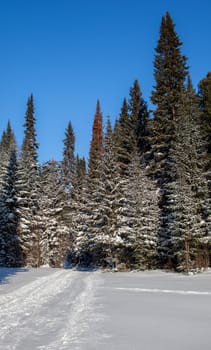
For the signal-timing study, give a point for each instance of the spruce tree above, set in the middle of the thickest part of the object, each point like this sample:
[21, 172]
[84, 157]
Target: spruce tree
[68, 162]
[27, 190]
[54, 233]
[88, 194]
[80, 228]
[122, 137]
[10, 251]
[7, 145]
[96, 147]
[8, 142]
[139, 119]
[170, 71]
[187, 192]
[139, 230]
[105, 207]
[205, 120]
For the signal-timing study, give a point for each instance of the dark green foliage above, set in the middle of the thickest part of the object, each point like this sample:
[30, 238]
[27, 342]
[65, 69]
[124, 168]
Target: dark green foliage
[139, 118]
[28, 190]
[205, 95]
[68, 162]
[170, 70]
[186, 193]
[7, 146]
[10, 251]
[54, 237]
[205, 121]
[122, 137]
[8, 142]
[30, 145]
[96, 147]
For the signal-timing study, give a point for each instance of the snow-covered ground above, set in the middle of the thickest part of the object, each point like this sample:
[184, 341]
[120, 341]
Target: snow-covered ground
[54, 309]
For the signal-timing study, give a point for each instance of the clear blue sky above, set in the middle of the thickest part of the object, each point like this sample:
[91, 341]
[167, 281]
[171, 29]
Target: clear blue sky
[70, 53]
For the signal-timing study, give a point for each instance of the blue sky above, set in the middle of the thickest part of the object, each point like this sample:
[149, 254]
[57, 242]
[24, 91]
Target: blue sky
[70, 53]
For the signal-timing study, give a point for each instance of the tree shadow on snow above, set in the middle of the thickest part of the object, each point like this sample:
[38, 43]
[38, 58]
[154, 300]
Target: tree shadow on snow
[6, 272]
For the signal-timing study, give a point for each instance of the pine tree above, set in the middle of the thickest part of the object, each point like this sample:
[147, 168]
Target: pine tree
[27, 190]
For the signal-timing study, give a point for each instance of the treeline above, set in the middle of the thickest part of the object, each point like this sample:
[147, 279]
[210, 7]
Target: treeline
[143, 200]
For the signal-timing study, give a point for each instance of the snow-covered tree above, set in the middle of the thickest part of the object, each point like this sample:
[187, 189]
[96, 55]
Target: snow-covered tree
[54, 237]
[10, 252]
[139, 227]
[69, 161]
[27, 190]
[7, 145]
[187, 192]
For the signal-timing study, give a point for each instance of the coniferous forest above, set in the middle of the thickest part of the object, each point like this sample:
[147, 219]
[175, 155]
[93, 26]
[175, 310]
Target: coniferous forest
[143, 199]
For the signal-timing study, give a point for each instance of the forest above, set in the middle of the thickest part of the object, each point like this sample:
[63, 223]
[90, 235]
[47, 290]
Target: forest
[142, 200]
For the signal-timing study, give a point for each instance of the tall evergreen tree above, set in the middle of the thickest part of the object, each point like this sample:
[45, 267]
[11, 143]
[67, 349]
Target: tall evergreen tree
[187, 192]
[170, 71]
[139, 118]
[68, 162]
[86, 195]
[10, 252]
[7, 145]
[139, 230]
[205, 121]
[27, 190]
[105, 202]
[96, 147]
[122, 137]
[8, 142]
[80, 171]
[30, 145]
[54, 238]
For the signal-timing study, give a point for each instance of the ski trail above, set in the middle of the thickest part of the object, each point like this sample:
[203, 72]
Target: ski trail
[75, 331]
[16, 307]
[168, 291]
[51, 313]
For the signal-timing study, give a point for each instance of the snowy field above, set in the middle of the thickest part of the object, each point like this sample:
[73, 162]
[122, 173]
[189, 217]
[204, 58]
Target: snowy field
[52, 309]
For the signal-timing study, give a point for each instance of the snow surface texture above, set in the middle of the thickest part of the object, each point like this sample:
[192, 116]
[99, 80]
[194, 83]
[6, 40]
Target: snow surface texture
[53, 309]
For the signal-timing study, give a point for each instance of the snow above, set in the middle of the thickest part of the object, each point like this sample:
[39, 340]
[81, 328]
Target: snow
[49, 309]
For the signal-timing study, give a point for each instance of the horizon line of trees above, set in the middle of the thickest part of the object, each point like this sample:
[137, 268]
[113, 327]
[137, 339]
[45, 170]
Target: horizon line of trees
[142, 202]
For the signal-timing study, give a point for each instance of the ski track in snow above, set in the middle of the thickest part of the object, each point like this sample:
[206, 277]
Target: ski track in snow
[49, 313]
[168, 291]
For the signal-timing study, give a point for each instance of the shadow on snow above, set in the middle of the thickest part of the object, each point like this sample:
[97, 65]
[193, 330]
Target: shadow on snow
[6, 272]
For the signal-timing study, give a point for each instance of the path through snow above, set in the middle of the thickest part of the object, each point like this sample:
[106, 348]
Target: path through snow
[53, 309]
[51, 312]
